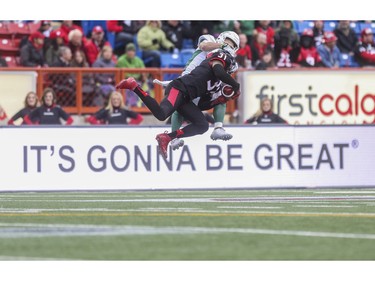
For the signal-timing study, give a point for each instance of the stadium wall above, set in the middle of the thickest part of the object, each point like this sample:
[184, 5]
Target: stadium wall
[126, 158]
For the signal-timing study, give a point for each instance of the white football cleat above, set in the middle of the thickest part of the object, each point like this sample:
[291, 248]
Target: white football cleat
[220, 134]
[176, 143]
[161, 83]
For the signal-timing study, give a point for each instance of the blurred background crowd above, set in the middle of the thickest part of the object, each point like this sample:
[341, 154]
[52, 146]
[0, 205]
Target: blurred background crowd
[264, 43]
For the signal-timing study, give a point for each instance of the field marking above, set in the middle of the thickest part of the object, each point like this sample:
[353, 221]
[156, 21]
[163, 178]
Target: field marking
[346, 192]
[203, 213]
[39, 210]
[325, 206]
[210, 200]
[29, 231]
[23, 258]
[248, 207]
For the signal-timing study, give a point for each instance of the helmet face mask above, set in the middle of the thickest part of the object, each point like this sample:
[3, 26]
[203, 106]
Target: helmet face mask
[232, 36]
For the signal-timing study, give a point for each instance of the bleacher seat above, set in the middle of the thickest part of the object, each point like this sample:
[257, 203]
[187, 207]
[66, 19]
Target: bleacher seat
[4, 31]
[187, 44]
[12, 61]
[9, 47]
[111, 37]
[171, 60]
[364, 25]
[356, 27]
[19, 29]
[347, 61]
[186, 55]
[302, 25]
[330, 25]
[88, 25]
[34, 26]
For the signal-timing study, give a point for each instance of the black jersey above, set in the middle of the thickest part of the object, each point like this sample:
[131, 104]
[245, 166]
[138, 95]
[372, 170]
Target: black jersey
[48, 115]
[22, 113]
[118, 116]
[266, 118]
[202, 80]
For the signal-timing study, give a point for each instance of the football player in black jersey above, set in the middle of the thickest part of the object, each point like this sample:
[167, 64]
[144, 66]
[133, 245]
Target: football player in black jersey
[203, 80]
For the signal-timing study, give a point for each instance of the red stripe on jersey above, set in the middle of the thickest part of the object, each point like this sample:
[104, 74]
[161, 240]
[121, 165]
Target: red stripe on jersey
[173, 93]
[139, 90]
[218, 59]
[179, 132]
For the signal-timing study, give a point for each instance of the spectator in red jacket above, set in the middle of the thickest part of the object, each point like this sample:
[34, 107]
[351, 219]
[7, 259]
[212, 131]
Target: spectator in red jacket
[265, 27]
[259, 46]
[244, 55]
[76, 41]
[364, 53]
[96, 44]
[66, 27]
[307, 54]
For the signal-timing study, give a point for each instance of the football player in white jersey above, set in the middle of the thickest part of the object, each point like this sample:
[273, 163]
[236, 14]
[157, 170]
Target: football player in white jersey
[206, 44]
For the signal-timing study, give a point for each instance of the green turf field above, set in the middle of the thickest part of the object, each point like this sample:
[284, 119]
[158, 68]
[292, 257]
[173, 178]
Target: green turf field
[303, 224]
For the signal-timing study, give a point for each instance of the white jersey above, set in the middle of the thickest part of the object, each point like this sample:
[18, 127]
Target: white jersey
[199, 55]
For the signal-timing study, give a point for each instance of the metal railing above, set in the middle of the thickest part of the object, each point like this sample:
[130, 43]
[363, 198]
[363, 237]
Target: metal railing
[85, 90]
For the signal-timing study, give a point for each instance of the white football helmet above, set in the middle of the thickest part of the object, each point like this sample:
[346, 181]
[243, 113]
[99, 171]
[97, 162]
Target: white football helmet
[233, 36]
[206, 37]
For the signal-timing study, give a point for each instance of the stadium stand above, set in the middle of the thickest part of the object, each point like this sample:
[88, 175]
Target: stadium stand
[171, 60]
[186, 55]
[12, 61]
[88, 25]
[187, 44]
[347, 61]
[14, 33]
[34, 26]
[4, 31]
[364, 25]
[18, 30]
[357, 27]
[9, 47]
[302, 25]
[330, 25]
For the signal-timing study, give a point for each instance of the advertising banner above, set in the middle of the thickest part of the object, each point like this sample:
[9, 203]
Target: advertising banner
[311, 97]
[123, 158]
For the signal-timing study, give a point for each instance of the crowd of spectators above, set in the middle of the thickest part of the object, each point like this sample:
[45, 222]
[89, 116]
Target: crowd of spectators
[289, 43]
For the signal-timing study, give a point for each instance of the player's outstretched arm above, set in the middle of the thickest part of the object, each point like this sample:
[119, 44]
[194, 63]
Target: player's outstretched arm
[224, 76]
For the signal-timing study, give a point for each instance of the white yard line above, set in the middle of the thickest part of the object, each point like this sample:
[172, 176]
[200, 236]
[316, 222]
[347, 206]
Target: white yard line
[40, 230]
[248, 207]
[325, 206]
[22, 258]
[40, 210]
[346, 192]
[207, 200]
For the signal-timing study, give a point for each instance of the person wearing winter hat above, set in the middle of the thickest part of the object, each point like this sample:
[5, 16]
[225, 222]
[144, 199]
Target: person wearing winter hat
[95, 45]
[328, 51]
[364, 53]
[56, 40]
[32, 52]
[130, 60]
